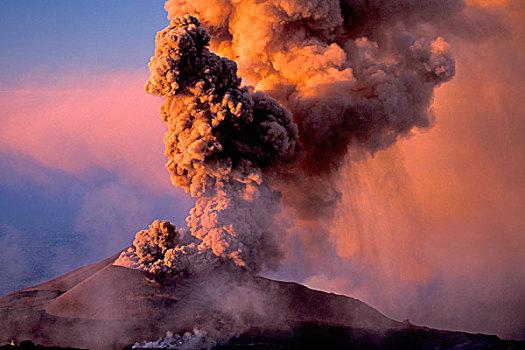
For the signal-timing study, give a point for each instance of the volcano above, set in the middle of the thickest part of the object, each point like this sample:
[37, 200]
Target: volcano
[103, 306]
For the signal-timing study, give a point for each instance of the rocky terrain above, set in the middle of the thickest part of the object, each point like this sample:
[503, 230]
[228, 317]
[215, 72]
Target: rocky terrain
[102, 306]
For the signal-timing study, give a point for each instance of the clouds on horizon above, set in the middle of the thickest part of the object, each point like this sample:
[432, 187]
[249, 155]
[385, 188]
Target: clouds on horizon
[98, 122]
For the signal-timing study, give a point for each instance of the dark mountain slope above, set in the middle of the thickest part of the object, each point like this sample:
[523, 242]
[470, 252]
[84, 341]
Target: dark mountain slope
[102, 306]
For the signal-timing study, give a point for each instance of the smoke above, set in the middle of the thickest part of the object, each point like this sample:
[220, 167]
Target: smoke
[347, 75]
[349, 78]
[344, 76]
[162, 250]
[430, 229]
[223, 142]
[354, 75]
[188, 340]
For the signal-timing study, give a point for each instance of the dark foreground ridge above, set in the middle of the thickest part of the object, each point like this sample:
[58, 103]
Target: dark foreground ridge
[101, 306]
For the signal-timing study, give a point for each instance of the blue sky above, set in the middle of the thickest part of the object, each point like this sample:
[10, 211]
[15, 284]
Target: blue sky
[55, 35]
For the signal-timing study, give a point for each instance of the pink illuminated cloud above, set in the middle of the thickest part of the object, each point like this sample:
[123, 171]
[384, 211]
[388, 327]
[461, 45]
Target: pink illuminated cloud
[87, 123]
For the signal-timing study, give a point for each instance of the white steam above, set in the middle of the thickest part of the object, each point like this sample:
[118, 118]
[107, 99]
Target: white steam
[187, 340]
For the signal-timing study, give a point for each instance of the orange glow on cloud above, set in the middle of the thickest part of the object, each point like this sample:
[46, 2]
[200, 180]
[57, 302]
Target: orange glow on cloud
[487, 2]
[436, 223]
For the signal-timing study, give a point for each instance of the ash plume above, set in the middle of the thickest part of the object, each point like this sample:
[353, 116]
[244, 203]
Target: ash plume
[351, 72]
[223, 144]
[343, 75]
[354, 74]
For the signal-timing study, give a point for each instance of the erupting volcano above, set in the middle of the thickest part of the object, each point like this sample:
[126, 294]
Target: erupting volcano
[237, 151]
[257, 144]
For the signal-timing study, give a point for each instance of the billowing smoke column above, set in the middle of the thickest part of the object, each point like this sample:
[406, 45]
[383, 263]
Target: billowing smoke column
[350, 71]
[353, 73]
[223, 142]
